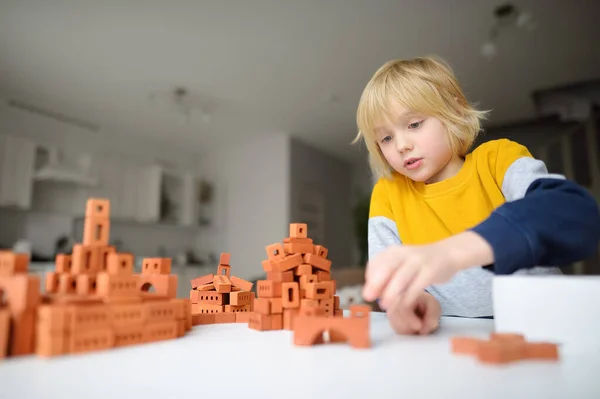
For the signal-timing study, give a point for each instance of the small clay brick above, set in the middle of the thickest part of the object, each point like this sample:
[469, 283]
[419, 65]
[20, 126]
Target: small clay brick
[119, 263]
[49, 345]
[289, 262]
[288, 318]
[225, 258]
[51, 282]
[317, 261]
[243, 317]
[295, 248]
[222, 283]
[498, 352]
[241, 298]
[310, 307]
[85, 259]
[321, 290]
[160, 331]
[63, 263]
[85, 284]
[240, 283]
[321, 251]
[90, 340]
[275, 252]
[235, 289]
[21, 292]
[267, 265]
[295, 240]
[159, 311]
[211, 298]
[195, 296]
[298, 230]
[268, 289]
[156, 266]
[128, 335]
[336, 302]
[97, 207]
[221, 318]
[188, 315]
[117, 285]
[290, 297]
[202, 318]
[262, 306]
[82, 317]
[237, 309]
[53, 318]
[207, 287]
[465, 345]
[198, 308]
[276, 305]
[507, 337]
[263, 322]
[123, 315]
[224, 270]
[323, 275]
[104, 251]
[304, 280]
[67, 284]
[179, 308]
[96, 230]
[202, 280]
[303, 270]
[284, 277]
[338, 313]
[22, 333]
[13, 263]
[541, 351]
[328, 306]
[164, 284]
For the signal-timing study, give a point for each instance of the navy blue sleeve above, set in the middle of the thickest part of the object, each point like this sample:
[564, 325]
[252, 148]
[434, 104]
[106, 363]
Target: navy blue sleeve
[556, 223]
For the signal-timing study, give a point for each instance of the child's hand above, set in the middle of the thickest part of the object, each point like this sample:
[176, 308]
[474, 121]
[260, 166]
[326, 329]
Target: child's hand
[406, 270]
[421, 318]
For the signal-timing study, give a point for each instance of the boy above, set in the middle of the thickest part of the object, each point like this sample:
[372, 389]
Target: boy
[443, 222]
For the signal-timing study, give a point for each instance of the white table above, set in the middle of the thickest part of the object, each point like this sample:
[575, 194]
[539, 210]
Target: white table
[229, 360]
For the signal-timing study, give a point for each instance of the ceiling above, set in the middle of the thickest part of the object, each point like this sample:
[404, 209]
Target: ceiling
[273, 66]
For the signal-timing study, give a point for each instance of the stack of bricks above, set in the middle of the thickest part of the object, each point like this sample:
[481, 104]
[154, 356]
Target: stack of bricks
[19, 300]
[221, 298]
[95, 301]
[298, 282]
[503, 348]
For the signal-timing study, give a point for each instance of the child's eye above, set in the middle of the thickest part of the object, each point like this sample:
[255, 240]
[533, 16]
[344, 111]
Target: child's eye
[386, 139]
[415, 125]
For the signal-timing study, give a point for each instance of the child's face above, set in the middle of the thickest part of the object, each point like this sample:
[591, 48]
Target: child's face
[417, 146]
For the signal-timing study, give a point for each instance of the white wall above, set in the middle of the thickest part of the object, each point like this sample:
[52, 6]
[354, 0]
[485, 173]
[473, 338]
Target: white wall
[252, 196]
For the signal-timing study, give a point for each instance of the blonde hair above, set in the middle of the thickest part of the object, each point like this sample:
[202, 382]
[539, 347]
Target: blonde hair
[425, 85]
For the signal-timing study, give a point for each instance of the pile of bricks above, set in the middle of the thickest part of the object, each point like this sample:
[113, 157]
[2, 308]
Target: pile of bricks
[95, 301]
[19, 300]
[221, 298]
[298, 282]
[503, 348]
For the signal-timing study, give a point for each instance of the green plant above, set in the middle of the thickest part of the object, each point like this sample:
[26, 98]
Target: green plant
[361, 226]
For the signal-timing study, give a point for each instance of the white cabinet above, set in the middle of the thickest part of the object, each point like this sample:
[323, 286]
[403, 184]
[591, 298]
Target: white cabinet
[17, 164]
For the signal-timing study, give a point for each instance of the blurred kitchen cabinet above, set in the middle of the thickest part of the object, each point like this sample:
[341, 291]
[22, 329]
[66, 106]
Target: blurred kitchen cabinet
[17, 167]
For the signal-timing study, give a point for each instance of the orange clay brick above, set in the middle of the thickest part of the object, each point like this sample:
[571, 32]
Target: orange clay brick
[275, 252]
[222, 318]
[203, 318]
[243, 317]
[85, 284]
[267, 265]
[235, 289]
[119, 263]
[336, 302]
[276, 305]
[310, 307]
[195, 296]
[296, 248]
[117, 285]
[328, 306]
[290, 295]
[160, 331]
[13, 263]
[21, 292]
[288, 263]
[67, 284]
[104, 252]
[4, 331]
[22, 333]
[156, 266]
[97, 207]
[53, 318]
[498, 352]
[338, 313]
[541, 351]
[211, 298]
[283, 277]
[48, 345]
[198, 308]
[307, 279]
[303, 270]
[224, 270]
[288, 318]
[262, 322]
[465, 345]
[241, 283]
[85, 259]
[225, 258]
[164, 284]
[321, 290]
[206, 287]
[128, 335]
[222, 283]
[298, 230]
[323, 276]
[268, 289]
[159, 311]
[202, 280]
[123, 315]
[262, 306]
[507, 337]
[241, 298]
[63, 263]
[236, 309]
[96, 230]
[51, 282]
[90, 340]
[317, 261]
[321, 251]
[295, 240]
[86, 317]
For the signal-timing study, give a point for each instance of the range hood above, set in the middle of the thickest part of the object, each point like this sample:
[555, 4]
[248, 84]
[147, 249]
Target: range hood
[75, 171]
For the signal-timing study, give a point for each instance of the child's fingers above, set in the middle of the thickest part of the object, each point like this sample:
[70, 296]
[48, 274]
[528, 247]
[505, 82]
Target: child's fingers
[405, 320]
[377, 277]
[416, 287]
[398, 284]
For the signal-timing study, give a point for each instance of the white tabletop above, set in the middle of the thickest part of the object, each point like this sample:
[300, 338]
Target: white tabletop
[230, 360]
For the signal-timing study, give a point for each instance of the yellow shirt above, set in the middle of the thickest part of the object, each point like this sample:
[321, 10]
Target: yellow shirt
[425, 213]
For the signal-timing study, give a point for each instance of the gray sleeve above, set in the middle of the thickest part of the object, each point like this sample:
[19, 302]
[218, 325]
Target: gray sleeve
[517, 180]
[382, 233]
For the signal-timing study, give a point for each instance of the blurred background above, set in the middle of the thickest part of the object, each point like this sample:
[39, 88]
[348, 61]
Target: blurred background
[212, 125]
